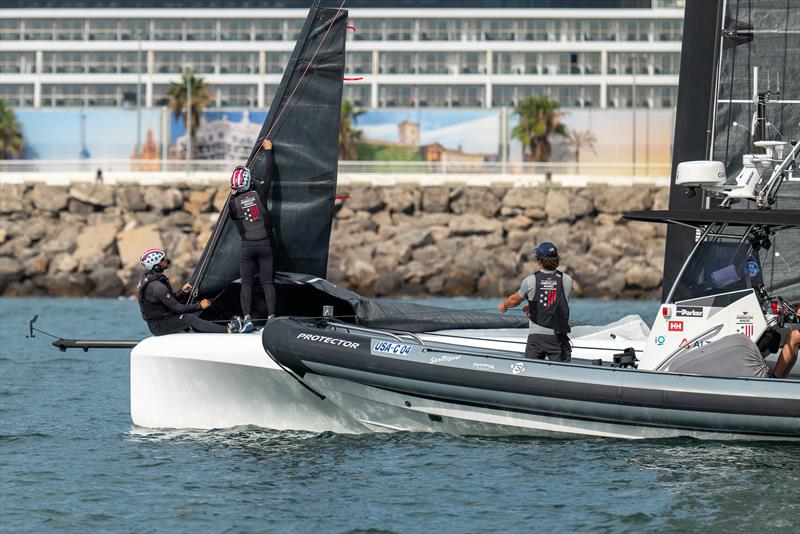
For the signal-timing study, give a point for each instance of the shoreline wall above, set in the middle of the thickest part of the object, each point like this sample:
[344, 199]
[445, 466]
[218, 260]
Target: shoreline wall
[85, 239]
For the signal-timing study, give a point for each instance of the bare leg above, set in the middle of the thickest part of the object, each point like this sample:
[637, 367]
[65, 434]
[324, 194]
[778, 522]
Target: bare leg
[788, 356]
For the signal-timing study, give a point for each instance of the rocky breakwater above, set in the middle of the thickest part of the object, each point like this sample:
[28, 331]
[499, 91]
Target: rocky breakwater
[438, 241]
[455, 241]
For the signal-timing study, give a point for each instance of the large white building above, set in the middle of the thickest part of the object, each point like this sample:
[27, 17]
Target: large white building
[491, 53]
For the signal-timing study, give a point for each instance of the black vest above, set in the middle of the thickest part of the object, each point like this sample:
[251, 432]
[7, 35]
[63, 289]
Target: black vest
[253, 216]
[549, 307]
[153, 311]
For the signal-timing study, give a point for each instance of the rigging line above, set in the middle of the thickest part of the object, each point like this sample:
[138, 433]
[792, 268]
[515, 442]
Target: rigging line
[305, 71]
[785, 54]
[730, 90]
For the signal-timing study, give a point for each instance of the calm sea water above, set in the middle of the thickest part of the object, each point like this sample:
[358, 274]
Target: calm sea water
[70, 459]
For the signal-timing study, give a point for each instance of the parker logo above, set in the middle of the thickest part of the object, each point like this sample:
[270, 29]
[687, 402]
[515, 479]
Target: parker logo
[675, 326]
[689, 311]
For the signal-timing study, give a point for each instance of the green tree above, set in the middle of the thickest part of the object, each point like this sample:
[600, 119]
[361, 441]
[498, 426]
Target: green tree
[581, 140]
[178, 95]
[348, 134]
[12, 144]
[539, 118]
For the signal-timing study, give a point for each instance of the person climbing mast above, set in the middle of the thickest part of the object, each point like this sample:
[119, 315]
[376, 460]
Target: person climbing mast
[247, 208]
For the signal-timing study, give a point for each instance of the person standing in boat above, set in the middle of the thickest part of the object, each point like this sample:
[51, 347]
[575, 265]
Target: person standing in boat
[790, 344]
[160, 305]
[547, 292]
[247, 208]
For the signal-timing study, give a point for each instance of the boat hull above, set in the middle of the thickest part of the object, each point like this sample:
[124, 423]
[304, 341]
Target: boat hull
[209, 381]
[410, 386]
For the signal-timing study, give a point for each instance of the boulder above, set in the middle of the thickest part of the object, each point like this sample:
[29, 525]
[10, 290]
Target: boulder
[471, 224]
[131, 243]
[660, 199]
[79, 208]
[610, 199]
[11, 196]
[3, 235]
[480, 200]
[130, 198]
[526, 198]
[365, 199]
[93, 242]
[14, 246]
[106, 283]
[11, 271]
[520, 222]
[67, 285]
[565, 206]
[199, 201]
[459, 283]
[36, 229]
[48, 198]
[220, 198]
[397, 199]
[436, 199]
[612, 285]
[163, 199]
[388, 283]
[63, 263]
[643, 276]
[94, 194]
[177, 219]
[62, 240]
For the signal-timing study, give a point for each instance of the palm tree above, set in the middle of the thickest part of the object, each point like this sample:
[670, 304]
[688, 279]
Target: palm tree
[201, 96]
[348, 135]
[12, 144]
[580, 140]
[539, 118]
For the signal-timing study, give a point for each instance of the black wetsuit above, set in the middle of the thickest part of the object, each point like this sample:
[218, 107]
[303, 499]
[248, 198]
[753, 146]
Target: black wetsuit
[248, 211]
[164, 314]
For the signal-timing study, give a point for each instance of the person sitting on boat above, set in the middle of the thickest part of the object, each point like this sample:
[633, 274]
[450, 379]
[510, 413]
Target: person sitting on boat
[247, 208]
[160, 305]
[790, 342]
[547, 292]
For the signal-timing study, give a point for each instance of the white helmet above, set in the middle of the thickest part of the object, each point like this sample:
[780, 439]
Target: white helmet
[240, 179]
[152, 257]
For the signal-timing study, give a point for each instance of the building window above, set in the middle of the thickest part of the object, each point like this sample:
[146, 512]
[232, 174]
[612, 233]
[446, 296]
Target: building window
[168, 30]
[160, 96]
[17, 62]
[134, 29]
[567, 96]
[367, 30]
[268, 30]
[628, 63]
[293, 29]
[668, 30]
[201, 62]
[467, 96]
[471, 63]
[10, 30]
[69, 30]
[63, 95]
[358, 63]
[236, 30]
[669, 63]
[169, 62]
[397, 63]
[269, 93]
[102, 62]
[634, 30]
[17, 95]
[201, 30]
[399, 30]
[434, 30]
[63, 63]
[395, 96]
[38, 29]
[243, 96]
[103, 30]
[433, 96]
[357, 94]
[276, 62]
[238, 63]
[539, 30]
[433, 63]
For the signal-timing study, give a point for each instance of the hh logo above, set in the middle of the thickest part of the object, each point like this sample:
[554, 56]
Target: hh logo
[675, 326]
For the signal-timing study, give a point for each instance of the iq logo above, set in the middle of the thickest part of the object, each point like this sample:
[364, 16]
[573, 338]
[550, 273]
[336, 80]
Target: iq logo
[660, 340]
[675, 326]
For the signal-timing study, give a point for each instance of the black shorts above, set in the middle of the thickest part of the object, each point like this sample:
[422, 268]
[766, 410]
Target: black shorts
[556, 348]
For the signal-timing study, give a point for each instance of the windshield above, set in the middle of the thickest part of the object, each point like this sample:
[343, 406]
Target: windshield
[717, 267]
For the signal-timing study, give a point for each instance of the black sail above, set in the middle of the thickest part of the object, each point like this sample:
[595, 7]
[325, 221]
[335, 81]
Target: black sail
[303, 125]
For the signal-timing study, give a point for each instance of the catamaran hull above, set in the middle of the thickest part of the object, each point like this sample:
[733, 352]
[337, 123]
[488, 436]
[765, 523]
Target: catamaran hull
[389, 383]
[209, 381]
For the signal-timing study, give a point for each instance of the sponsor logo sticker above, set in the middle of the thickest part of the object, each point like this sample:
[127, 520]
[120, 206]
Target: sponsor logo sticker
[484, 366]
[689, 311]
[660, 340]
[386, 347]
[328, 340]
[447, 358]
[751, 268]
[744, 318]
[675, 326]
[666, 312]
[517, 368]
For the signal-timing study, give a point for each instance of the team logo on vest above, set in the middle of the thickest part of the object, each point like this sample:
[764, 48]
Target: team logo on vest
[548, 291]
[689, 311]
[250, 209]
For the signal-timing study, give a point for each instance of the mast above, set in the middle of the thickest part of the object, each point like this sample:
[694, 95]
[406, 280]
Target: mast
[694, 121]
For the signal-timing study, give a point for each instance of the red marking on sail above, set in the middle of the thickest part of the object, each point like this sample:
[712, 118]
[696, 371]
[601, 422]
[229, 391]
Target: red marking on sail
[352, 29]
[352, 78]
